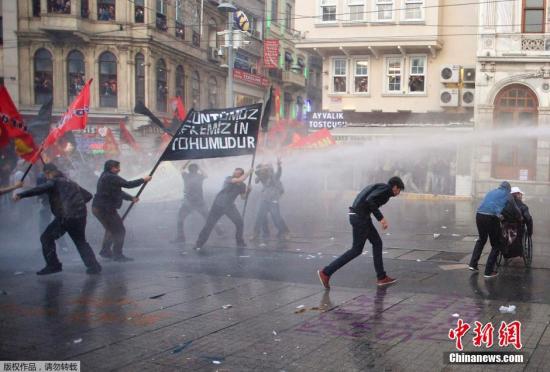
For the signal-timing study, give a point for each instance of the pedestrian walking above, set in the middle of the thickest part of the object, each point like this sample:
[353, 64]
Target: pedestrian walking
[224, 204]
[107, 200]
[68, 204]
[368, 201]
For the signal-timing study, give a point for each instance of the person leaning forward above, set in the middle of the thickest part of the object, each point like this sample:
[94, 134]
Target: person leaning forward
[68, 204]
[107, 200]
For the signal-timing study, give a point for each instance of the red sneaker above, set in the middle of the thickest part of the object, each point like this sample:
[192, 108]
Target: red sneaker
[324, 278]
[387, 280]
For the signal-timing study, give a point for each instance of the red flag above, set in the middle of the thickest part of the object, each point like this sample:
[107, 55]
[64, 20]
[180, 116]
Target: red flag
[12, 126]
[126, 137]
[178, 108]
[321, 138]
[75, 118]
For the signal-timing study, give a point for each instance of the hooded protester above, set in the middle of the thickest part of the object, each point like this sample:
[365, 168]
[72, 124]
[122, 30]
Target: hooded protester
[68, 204]
[488, 217]
[107, 200]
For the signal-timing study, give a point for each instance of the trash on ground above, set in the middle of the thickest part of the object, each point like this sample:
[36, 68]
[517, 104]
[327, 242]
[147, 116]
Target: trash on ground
[244, 256]
[418, 260]
[228, 306]
[303, 310]
[388, 234]
[300, 306]
[277, 340]
[453, 267]
[275, 333]
[181, 347]
[157, 296]
[216, 362]
[436, 236]
[18, 273]
[332, 238]
[443, 227]
[510, 309]
[455, 235]
[455, 315]
[77, 341]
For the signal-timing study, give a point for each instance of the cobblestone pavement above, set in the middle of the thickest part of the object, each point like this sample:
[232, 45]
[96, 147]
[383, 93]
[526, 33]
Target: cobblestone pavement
[262, 308]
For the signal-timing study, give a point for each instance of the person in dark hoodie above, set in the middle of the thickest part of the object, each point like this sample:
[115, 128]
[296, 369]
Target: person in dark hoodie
[107, 200]
[368, 201]
[524, 209]
[488, 217]
[68, 204]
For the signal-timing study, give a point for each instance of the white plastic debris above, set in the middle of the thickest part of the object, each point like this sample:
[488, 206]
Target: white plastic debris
[388, 234]
[300, 306]
[443, 227]
[332, 238]
[18, 273]
[436, 236]
[510, 309]
[228, 306]
[244, 256]
[216, 362]
[275, 333]
[455, 235]
[418, 260]
[455, 315]
[277, 340]
[77, 341]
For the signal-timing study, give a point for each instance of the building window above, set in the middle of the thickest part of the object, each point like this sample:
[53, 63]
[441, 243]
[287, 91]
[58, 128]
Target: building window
[212, 93]
[413, 10]
[107, 80]
[162, 86]
[393, 74]
[339, 75]
[139, 11]
[212, 34]
[84, 9]
[361, 75]
[180, 28]
[140, 78]
[356, 10]
[328, 10]
[417, 74]
[162, 24]
[533, 16]
[59, 6]
[289, 59]
[288, 17]
[75, 74]
[36, 8]
[196, 89]
[43, 76]
[106, 10]
[180, 82]
[384, 10]
[275, 11]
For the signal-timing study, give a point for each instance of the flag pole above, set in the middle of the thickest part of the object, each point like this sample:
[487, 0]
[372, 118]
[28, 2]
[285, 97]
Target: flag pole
[31, 164]
[249, 183]
[142, 188]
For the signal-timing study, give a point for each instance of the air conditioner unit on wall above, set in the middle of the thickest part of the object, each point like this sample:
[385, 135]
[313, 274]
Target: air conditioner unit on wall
[450, 73]
[213, 54]
[448, 98]
[467, 97]
[469, 75]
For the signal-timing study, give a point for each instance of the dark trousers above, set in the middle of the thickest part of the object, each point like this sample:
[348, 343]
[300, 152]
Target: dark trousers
[45, 217]
[114, 230]
[216, 212]
[487, 227]
[76, 228]
[185, 211]
[363, 229]
[269, 207]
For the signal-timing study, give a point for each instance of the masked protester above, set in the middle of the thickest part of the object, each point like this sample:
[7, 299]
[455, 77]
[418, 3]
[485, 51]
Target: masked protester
[224, 204]
[107, 200]
[68, 204]
[368, 201]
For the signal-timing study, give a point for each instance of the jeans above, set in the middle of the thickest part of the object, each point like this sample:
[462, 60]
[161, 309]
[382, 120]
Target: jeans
[114, 230]
[270, 207]
[363, 229]
[487, 227]
[185, 211]
[76, 228]
[216, 212]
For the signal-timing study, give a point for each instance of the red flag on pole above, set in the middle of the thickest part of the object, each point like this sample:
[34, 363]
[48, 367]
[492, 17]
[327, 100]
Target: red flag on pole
[12, 127]
[75, 118]
[126, 137]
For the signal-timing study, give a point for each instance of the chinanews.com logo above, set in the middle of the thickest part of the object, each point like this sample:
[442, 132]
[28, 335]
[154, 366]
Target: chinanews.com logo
[509, 335]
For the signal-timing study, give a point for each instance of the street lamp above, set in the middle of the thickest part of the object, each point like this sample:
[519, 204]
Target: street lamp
[229, 9]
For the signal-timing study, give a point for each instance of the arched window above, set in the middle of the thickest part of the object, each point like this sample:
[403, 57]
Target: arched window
[162, 86]
[43, 76]
[212, 93]
[180, 82]
[196, 89]
[140, 78]
[75, 74]
[108, 85]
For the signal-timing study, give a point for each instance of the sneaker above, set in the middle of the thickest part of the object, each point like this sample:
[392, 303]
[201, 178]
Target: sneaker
[473, 268]
[387, 280]
[94, 269]
[49, 270]
[324, 278]
[106, 254]
[122, 258]
[494, 274]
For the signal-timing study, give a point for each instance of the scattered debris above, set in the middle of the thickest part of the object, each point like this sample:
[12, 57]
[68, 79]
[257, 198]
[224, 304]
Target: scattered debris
[436, 236]
[300, 306]
[77, 341]
[228, 275]
[510, 309]
[453, 267]
[455, 235]
[455, 315]
[332, 238]
[228, 306]
[275, 333]
[443, 227]
[277, 340]
[418, 260]
[181, 347]
[129, 318]
[216, 362]
[244, 256]
[157, 296]
[300, 311]
[388, 234]
[18, 273]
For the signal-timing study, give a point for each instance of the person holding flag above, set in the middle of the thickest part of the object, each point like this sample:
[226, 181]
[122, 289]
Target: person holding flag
[107, 200]
[68, 204]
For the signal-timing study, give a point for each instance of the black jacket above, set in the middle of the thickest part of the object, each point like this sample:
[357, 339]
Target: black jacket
[109, 194]
[527, 219]
[67, 199]
[370, 199]
[511, 211]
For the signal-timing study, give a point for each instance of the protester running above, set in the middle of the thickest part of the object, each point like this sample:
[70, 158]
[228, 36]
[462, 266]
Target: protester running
[224, 204]
[68, 204]
[368, 201]
[107, 200]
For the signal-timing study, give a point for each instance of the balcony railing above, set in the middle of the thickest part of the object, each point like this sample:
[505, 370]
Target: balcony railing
[538, 43]
[294, 79]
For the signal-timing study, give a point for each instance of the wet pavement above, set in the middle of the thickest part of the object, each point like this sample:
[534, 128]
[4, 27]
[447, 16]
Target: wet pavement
[262, 307]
